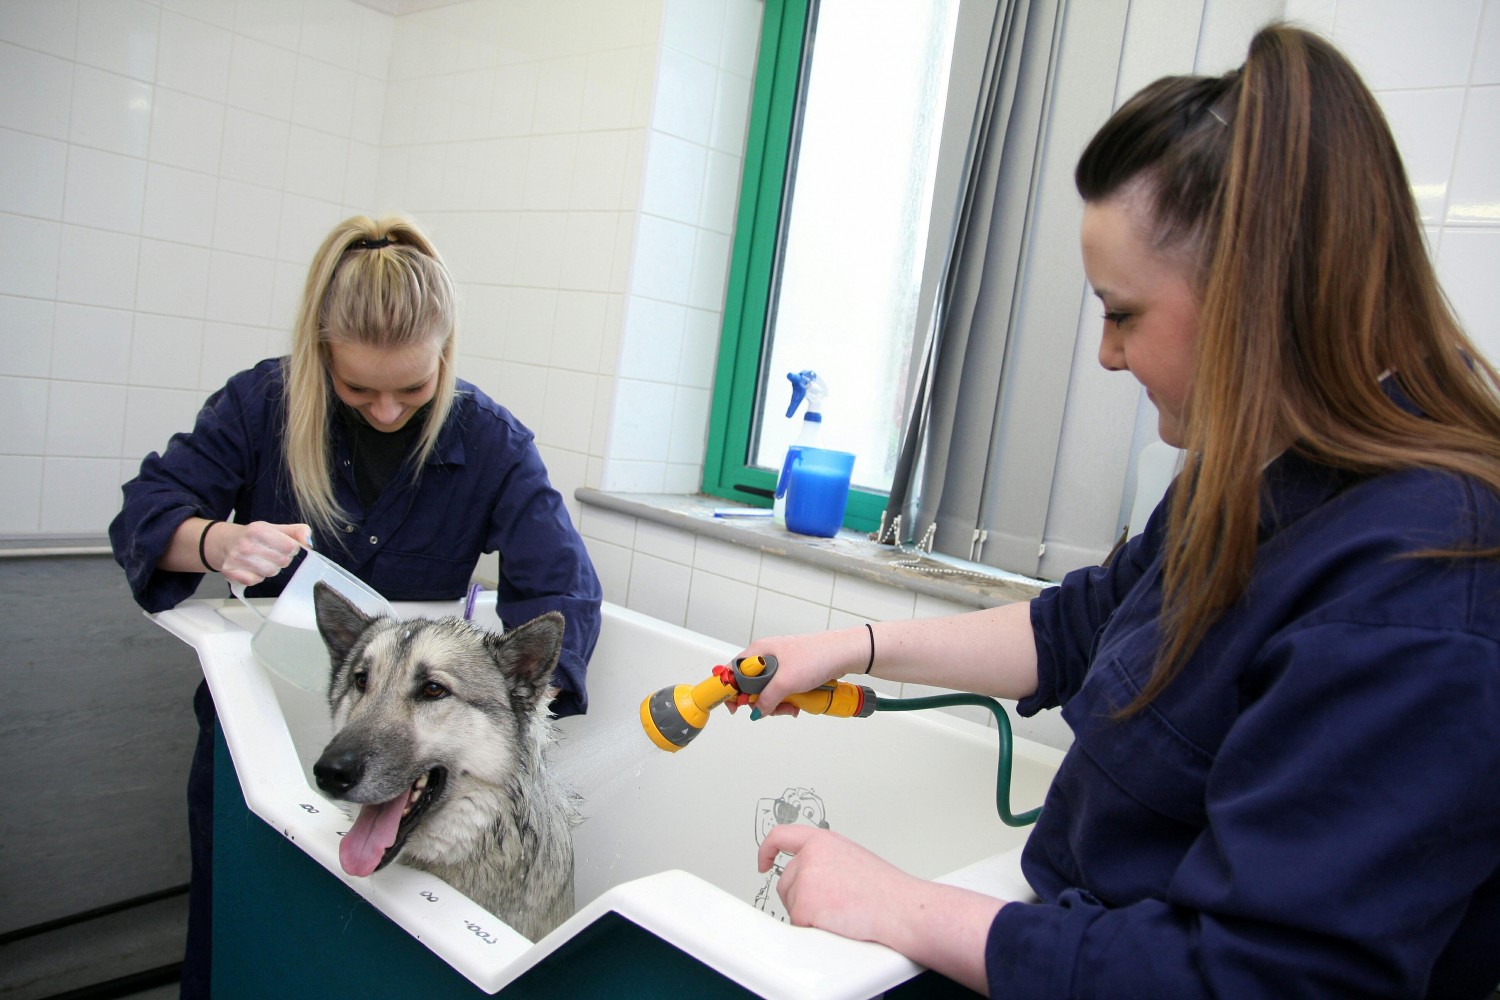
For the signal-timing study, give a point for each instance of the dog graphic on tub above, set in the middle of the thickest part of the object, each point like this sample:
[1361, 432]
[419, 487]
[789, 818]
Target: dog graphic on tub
[795, 805]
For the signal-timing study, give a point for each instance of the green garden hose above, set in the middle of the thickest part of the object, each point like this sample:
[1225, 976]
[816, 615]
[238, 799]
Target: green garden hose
[1002, 723]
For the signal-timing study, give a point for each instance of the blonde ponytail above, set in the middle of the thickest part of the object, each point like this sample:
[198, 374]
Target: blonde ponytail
[377, 283]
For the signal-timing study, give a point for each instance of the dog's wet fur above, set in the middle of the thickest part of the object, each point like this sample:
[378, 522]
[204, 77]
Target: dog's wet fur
[447, 726]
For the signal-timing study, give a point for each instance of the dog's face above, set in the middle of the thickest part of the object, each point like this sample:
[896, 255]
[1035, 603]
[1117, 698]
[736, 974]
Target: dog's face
[426, 714]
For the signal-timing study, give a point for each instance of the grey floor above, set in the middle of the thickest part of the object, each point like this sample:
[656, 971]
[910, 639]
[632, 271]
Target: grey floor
[98, 704]
[96, 951]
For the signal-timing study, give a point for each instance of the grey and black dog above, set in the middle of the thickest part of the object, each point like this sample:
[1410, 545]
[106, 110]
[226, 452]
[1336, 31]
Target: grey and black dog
[441, 735]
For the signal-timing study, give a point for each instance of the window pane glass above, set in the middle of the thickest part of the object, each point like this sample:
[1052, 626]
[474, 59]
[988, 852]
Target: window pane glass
[844, 300]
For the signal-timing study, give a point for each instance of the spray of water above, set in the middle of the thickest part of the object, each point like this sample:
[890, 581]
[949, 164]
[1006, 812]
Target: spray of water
[599, 760]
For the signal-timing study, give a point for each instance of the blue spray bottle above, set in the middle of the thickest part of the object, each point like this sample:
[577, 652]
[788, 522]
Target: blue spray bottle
[806, 385]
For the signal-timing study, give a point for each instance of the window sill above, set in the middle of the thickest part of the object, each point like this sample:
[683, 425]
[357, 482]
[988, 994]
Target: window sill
[850, 552]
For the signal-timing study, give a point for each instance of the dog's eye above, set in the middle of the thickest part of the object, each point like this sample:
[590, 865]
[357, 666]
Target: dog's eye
[361, 679]
[432, 690]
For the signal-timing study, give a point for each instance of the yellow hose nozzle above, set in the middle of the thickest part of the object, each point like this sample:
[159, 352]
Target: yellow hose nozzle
[673, 716]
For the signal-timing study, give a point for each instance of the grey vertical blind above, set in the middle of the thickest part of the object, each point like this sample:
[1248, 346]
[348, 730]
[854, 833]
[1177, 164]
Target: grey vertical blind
[986, 424]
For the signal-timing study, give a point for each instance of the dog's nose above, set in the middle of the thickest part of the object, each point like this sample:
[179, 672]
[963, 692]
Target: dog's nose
[336, 773]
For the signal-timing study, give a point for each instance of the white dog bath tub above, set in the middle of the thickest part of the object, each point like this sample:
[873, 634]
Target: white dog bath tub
[669, 901]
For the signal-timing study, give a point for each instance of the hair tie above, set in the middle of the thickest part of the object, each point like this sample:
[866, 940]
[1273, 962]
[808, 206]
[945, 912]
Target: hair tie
[384, 241]
[1222, 108]
[203, 538]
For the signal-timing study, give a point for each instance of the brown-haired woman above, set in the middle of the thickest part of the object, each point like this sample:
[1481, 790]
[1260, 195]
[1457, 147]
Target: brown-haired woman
[364, 443]
[1285, 692]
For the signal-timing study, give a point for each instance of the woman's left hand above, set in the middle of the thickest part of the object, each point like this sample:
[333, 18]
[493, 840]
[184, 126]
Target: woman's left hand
[833, 884]
[250, 553]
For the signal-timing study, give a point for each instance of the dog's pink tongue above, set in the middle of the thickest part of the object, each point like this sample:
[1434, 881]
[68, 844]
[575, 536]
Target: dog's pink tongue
[375, 830]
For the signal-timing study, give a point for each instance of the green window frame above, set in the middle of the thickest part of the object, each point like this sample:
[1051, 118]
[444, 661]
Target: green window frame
[757, 240]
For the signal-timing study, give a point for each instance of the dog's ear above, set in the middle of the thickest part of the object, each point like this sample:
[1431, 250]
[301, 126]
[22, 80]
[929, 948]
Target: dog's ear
[527, 655]
[340, 622]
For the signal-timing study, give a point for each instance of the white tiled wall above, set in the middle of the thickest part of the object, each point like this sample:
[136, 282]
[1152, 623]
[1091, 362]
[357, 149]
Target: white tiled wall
[1436, 69]
[167, 168]
[516, 133]
[658, 421]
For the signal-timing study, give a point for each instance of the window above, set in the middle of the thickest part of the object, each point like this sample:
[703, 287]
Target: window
[844, 293]
[829, 254]
[1027, 444]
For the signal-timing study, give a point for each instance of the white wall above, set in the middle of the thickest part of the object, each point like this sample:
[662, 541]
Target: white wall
[167, 168]
[657, 427]
[167, 171]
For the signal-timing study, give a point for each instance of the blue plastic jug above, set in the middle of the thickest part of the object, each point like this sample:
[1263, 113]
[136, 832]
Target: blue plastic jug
[817, 490]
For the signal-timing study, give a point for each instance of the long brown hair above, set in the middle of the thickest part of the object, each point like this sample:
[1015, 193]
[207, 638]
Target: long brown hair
[1283, 183]
[378, 283]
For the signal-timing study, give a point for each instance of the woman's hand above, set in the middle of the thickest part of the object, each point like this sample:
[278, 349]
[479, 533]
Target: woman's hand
[250, 553]
[243, 553]
[832, 883]
[805, 661]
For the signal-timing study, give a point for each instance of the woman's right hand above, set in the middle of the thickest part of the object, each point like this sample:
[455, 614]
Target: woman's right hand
[250, 553]
[805, 661]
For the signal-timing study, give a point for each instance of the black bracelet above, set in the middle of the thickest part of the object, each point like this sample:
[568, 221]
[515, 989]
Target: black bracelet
[871, 664]
[202, 557]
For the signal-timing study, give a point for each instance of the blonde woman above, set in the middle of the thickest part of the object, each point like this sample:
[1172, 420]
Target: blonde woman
[365, 444]
[1285, 692]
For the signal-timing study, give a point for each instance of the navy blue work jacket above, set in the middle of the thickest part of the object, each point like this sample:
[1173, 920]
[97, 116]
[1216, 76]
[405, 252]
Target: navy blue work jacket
[1312, 808]
[484, 489]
